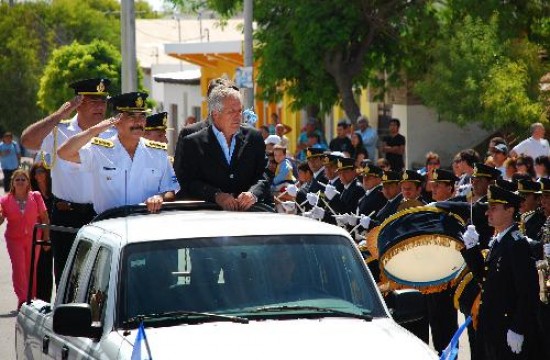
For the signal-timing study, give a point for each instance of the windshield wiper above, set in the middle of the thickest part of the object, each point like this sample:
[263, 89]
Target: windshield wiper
[187, 314]
[364, 316]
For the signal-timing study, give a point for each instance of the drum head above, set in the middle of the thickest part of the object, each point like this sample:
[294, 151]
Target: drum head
[420, 248]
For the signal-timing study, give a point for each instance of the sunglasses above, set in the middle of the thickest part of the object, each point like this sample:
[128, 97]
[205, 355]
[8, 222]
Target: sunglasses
[40, 171]
[20, 179]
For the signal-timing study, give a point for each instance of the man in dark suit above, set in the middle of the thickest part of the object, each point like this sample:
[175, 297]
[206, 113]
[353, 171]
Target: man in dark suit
[224, 163]
[193, 128]
[507, 325]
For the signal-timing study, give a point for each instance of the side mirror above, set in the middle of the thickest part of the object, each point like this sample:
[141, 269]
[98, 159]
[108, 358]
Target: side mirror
[75, 320]
[406, 305]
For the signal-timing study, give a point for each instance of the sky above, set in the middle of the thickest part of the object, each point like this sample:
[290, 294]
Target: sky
[156, 4]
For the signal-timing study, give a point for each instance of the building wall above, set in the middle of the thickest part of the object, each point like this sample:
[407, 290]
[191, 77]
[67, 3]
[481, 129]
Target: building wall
[424, 133]
[185, 97]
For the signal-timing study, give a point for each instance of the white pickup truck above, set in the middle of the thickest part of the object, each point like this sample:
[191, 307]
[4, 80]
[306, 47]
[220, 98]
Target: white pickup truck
[207, 283]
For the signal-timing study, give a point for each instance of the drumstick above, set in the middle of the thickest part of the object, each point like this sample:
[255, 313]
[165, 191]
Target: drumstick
[328, 206]
[471, 203]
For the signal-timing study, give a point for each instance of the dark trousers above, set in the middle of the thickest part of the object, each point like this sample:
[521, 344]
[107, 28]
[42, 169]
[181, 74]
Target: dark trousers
[78, 216]
[7, 179]
[442, 317]
[44, 275]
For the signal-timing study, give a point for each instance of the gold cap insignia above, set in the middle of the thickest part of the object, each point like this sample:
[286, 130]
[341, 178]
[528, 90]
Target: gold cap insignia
[520, 186]
[489, 195]
[434, 176]
[308, 153]
[165, 121]
[139, 102]
[475, 171]
[101, 87]
[366, 169]
[384, 177]
[405, 176]
[340, 164]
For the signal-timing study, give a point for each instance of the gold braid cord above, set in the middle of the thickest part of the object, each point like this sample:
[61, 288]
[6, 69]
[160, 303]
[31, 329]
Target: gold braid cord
[54, 155]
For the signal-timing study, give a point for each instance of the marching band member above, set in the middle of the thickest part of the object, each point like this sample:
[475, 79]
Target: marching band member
[507, 324]
[374, 199]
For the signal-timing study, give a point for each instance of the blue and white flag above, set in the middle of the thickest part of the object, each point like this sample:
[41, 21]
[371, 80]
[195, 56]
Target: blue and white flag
[451, 351]
[141, 349]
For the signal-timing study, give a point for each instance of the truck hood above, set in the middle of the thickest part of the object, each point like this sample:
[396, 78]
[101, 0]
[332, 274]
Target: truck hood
[326, 338]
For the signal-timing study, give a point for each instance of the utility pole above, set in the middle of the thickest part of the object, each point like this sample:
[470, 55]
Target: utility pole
[248, 55]
[128, 32]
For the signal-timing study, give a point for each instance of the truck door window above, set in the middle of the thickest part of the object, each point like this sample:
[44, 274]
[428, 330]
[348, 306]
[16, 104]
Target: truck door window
[77, 267]
[99, 284]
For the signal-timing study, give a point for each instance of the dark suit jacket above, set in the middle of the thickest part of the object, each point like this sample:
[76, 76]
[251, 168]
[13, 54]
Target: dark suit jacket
[509, 297]
[206, 172]
[178, 154]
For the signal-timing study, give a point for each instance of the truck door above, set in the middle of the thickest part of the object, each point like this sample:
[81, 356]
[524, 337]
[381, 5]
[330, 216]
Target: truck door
[60, 347]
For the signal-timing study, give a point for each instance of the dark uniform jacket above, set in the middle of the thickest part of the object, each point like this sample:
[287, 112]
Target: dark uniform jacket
[328, 218]
[509, 292]
[206, 172]
[389, 209]
[372, 201]
[314, 187]
[534, 224]
[348, 199]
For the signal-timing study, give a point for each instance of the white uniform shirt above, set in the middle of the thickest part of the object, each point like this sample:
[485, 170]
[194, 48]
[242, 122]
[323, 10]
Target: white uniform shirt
[532, 147]
[68, 182]
[119, 180]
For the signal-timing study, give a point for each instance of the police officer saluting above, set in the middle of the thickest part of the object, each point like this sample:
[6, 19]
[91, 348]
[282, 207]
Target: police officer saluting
[70, 186]
[128, 168]
[508, 277]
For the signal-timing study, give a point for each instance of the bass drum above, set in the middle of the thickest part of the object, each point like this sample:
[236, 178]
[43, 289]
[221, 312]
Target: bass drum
[420, 248]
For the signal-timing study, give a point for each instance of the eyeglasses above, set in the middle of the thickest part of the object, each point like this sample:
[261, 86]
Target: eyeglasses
[40, 171]
[20, 179]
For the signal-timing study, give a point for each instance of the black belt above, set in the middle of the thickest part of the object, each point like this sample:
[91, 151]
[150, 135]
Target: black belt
[64, 205]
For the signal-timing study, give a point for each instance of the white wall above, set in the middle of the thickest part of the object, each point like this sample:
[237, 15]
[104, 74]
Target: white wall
[424, 133]
[185, 97]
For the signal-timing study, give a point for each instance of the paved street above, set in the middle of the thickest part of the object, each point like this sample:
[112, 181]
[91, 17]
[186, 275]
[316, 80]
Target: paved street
[8, 301]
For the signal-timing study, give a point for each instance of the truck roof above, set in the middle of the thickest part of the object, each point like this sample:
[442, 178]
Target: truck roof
[211, 223]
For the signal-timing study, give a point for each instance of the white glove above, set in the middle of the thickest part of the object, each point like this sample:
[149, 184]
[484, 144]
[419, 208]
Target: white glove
[362, 243]
[353, 219]
[312, 199]
[365, 221]
[292, 190]
[330, 191]
[318, 212]
[546, 248]
[289, 206]
[340, 219]
[470, 237]
[515, 341]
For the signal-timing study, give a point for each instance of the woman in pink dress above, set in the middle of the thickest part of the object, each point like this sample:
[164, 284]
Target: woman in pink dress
[22, 208]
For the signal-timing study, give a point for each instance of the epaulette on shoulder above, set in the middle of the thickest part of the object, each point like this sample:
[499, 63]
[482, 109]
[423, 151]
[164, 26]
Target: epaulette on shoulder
[102, 142]
[517, 235]
[156, 145]
[65, 122]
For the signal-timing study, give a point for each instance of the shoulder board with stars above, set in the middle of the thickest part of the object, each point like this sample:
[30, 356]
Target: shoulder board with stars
[65, 122]
[156, 145]
[102, 142]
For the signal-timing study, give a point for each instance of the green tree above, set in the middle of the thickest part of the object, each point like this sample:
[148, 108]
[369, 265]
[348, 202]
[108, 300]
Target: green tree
[76, 62]
[482, 73]
[319, 52]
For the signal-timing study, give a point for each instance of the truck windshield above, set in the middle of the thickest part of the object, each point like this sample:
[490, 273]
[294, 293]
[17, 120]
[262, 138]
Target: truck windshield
[246, 276]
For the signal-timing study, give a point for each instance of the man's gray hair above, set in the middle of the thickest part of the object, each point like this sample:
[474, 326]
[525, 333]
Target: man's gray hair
[363, 118]
[536, 125]
[218, 95]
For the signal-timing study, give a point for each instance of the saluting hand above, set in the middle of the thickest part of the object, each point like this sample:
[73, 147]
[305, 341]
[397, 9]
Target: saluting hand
[65, 111]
